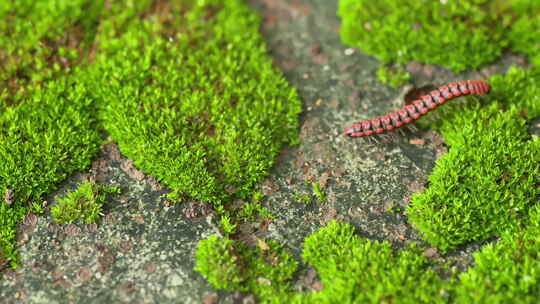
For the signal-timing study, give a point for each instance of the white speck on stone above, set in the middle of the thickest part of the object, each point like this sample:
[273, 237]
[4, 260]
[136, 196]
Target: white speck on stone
[175, 280]
[349, 51]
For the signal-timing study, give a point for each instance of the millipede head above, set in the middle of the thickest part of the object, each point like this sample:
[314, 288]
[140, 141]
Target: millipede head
[484, 87]
[354, 130]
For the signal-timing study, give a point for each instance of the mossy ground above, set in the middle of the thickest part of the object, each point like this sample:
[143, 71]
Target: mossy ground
[151, 104]
[82, 205]
[458, 35]
[486, 186]
[488, 181]
[184, 87]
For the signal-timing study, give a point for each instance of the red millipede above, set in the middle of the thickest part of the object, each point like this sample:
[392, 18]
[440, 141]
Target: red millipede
[417, 108]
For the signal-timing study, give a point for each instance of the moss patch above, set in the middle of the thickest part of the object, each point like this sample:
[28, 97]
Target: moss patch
[489, 179]
[41, 40]
[43, 141]
[185, 88]
[352, 270]
[265, 270]
[454, 34]
[357, 270]
[507, 271]
[393, 76]
[83, 204]
[203, 109]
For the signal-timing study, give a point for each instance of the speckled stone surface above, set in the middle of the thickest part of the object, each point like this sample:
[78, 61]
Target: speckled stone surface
[143, 249]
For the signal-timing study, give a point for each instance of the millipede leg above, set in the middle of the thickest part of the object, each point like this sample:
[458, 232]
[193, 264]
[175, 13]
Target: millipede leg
[412, 128]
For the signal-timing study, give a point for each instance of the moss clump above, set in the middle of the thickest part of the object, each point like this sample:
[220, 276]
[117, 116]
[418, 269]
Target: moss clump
[83, 204]
[393, 76]
[358, 270]
[200, 107]
[352, 270]
[455, 34]
[507, 271]
[42, 141]
[489, 179]
[185, 87]
[265, 271]
[41, 40]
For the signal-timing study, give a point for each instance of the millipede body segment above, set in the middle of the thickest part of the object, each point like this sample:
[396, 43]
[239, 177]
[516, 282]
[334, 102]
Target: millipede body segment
[417, 108]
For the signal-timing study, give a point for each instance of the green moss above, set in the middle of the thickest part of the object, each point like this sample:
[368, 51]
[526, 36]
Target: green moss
[352, 270]
[265, 271]
[83, 204]
[218, 261]
[42, 141]
[489, 179]
[393, 76]
[41, 40]
[507, 271]
[185, 87]
[227, 225]
[319, 192]
[302, 197]
[207, 116]
[316, 193]
[455, 34]
[251, 211]
[358, 270]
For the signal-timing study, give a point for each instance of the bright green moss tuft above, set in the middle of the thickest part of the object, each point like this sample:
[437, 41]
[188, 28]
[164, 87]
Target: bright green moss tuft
[358, 270]
[218, 262]
[352, 270]
[393, 76]
[185, 87]
[455, 34]
[42, 141]
[489, 179]
[265, 271]
[507, 271]
[41, 40]
[83, 204]
[200, 107]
